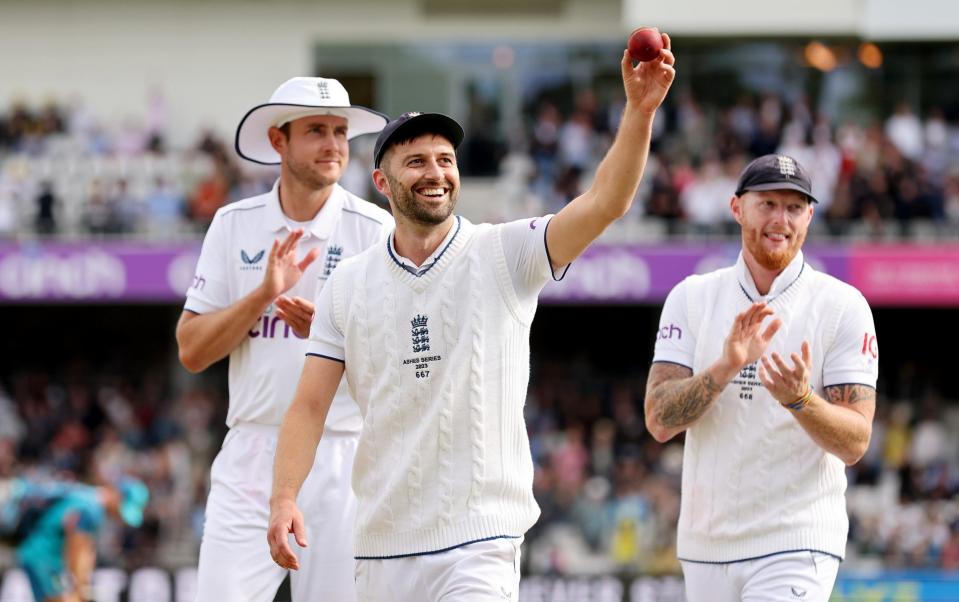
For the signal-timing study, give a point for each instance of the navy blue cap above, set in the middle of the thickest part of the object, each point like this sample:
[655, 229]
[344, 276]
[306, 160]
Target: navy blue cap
[775, 172]
[416, 123]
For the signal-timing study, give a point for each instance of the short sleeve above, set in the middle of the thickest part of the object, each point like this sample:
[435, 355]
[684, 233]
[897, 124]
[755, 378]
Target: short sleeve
[326, 336]
[853, 356]
[675, 341]
[210, 289]
[527, 254]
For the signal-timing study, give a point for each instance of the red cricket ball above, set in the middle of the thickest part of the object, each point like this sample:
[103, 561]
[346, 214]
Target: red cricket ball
[645, 43]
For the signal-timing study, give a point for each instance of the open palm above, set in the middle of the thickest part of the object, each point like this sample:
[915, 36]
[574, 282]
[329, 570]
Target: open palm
[747, 340]
[282, 269]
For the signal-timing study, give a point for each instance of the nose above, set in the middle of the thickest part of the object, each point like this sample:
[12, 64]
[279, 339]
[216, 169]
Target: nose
[433, 170]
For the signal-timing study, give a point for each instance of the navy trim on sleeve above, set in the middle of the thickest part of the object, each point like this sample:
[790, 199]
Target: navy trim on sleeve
[552, 272]
[326, 357]
[673, 363]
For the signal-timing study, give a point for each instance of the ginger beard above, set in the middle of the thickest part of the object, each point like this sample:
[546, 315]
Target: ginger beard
[420, 212]
[774, 258]
[313, 177]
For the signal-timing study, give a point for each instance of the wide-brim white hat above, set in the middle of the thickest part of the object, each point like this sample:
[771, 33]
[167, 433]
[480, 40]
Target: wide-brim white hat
[301, 97]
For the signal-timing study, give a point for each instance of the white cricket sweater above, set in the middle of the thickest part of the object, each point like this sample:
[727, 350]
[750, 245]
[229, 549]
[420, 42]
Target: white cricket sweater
[754, 482]
[439, 365]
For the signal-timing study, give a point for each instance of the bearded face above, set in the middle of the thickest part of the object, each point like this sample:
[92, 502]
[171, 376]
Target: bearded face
[774, 225]
[422, 179]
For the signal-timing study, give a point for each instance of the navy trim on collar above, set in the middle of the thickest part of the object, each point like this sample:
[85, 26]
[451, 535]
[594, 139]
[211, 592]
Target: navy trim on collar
[751, 300]
[422, 270]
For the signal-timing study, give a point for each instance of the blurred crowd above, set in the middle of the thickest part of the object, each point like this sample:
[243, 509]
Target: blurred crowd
[609, 493]
[95, 426]
[892, 178]
[64, 171]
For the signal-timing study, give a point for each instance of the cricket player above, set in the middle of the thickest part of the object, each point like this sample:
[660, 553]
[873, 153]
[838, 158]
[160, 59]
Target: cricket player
[432, 327]
[770, 368]
[252, 300]
[54, 524]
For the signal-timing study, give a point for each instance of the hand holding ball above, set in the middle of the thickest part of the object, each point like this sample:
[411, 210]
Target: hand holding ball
[645, 44]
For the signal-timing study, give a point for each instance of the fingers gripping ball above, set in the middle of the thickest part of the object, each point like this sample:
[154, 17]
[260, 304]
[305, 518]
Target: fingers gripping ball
[645, 44]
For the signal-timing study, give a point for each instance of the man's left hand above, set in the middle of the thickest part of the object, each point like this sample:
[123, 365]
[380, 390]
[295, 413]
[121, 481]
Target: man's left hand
[787, 384]
[297, 312]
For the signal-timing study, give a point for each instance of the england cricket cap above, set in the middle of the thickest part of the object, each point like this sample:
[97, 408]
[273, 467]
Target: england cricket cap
[775, 172]
[409, 125]
[295, 98]
[134, 496]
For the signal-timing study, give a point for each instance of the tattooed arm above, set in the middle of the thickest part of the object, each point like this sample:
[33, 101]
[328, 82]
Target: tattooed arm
[676, 398]
[841, 424]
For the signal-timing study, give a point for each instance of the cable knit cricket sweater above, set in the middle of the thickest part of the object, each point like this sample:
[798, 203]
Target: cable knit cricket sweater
[754, 482]
[443, 458]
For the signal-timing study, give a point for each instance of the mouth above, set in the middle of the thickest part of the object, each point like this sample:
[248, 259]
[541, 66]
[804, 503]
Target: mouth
[433, 192]
[777, 237]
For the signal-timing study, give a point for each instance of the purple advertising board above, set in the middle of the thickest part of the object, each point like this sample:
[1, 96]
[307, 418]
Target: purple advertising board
[122, 272]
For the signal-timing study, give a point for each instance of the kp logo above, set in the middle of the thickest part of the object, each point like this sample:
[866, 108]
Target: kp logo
[420, 334]
[249, 263]
[870, 346]
[333, 256]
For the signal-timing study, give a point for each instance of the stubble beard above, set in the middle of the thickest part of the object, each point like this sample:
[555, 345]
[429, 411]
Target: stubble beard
[772, 260]
[405, 200]
[308, 177]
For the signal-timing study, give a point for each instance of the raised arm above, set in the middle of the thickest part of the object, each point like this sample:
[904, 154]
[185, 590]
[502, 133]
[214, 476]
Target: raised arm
[676, 398]
[207, 338]
[295, 451]
[586, 217]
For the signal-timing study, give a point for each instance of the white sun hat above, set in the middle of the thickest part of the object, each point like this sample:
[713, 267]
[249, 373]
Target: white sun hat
[301, 97]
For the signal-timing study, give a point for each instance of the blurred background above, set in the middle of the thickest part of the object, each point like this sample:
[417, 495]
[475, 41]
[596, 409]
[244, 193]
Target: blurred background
[116, 148]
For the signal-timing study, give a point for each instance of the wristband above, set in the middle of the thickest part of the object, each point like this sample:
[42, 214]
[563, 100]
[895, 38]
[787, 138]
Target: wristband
[801, 402]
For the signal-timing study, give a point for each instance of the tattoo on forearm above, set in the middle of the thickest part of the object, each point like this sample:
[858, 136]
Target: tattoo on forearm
[849, 394]
[684, 400]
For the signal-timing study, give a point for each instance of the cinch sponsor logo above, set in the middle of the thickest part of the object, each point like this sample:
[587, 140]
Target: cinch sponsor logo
[88, 274]
[266, 328]
[667, 332]
[198, 282]
[870, 346]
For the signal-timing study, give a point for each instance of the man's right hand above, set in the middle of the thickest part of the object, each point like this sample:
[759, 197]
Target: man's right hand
[746, 343]
[282, 269]
[285, 518]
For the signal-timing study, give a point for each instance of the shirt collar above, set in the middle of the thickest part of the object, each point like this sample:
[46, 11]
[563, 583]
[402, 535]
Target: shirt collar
[414, 269]
[323, 223]
[780, 284]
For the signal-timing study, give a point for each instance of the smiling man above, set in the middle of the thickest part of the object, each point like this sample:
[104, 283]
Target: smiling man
[252, 300]
[432, 329]
[768, 368]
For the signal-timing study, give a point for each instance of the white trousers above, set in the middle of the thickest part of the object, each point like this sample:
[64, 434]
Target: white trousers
[235, 563]
[788, 577]
[485, 571]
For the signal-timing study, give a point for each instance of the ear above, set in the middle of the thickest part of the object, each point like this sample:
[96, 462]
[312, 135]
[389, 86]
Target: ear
[736, 206]
[381, 183]
[278, 140]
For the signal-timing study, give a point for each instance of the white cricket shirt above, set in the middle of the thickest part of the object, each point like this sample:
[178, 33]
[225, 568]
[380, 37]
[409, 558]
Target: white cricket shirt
[754, 482]
[437, 357]
[265, 368]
